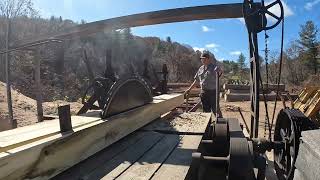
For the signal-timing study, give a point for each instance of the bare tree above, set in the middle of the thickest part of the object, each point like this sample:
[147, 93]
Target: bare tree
[10, 9]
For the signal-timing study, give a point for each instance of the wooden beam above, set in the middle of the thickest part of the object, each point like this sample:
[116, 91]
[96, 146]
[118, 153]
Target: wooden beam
[8, 75]
[271, 87]
[46, 157]
[37, 67]
[218, 11]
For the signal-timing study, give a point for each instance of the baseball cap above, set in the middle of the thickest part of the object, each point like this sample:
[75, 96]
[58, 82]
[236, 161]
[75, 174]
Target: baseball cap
[205, 54]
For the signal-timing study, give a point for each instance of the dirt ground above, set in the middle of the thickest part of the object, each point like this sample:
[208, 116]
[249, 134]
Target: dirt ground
[25, 108]
[230, 110]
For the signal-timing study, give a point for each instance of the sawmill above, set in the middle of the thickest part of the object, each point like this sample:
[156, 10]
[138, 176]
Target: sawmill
[129, 128]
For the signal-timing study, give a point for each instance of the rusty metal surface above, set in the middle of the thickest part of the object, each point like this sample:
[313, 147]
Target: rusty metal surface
[218, 11]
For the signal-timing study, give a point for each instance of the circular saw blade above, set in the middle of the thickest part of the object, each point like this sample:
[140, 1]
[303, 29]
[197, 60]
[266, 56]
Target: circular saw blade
[126, 94]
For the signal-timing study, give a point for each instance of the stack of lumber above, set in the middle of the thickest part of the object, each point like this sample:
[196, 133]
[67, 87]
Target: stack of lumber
[234, 92]
[40, 151]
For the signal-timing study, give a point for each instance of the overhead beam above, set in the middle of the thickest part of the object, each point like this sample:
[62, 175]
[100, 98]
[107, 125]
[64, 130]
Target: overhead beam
[219, 11]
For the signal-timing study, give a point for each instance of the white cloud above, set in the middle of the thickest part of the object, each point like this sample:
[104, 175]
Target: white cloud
[198, 49]
[276, 10]
[309, 5]
[212, 45]
[206, 29]
[235, 53]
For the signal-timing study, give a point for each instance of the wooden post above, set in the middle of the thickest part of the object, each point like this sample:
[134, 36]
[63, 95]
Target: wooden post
[38, 86]
[64, 118]
[8, 81]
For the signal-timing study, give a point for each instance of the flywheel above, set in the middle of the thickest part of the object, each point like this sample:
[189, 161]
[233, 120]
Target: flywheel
[289, 125]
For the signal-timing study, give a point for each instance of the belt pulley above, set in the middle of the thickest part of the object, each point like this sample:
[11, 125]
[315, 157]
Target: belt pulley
[289, 125]
[255, 15]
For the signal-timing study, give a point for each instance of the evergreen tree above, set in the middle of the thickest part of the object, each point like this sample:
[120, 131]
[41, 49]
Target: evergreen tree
[169, 39]
[241, 62]
[309, 43]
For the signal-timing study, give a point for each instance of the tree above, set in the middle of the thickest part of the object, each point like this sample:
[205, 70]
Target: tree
[126, 32]
[309, 43]
[10, 9]
[241, 62]
[169, 39]
[83, 21]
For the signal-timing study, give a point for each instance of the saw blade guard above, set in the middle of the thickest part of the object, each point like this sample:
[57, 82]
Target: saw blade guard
[126, 94]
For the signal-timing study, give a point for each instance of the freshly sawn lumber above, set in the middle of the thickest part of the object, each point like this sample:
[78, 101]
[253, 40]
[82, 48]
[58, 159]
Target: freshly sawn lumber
[47, 152]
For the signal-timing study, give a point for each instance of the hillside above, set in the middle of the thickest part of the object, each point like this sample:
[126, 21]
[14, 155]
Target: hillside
[64, 74]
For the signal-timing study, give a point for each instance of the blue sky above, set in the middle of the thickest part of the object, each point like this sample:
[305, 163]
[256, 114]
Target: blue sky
[226, 38]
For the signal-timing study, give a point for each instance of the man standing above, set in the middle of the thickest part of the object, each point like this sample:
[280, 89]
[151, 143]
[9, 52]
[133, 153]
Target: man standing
[206, 76]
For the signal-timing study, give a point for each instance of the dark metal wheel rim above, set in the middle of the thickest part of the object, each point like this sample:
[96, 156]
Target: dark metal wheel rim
[285, 153]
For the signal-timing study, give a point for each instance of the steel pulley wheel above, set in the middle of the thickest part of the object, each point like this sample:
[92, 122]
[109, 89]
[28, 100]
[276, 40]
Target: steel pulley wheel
[221, 139]
[240, 162]
[266, 9]
[256, 15]
[286, 136]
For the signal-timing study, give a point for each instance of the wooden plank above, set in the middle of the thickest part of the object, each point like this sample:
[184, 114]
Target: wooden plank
[157, 17]
[13, 138]
[28, 134]
[308, 159]
[118, 164]
[100, 164]
[272, 87]
[47, 157]
[95, 162]
[178, 163]
[145, 166]
[232, 97]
